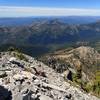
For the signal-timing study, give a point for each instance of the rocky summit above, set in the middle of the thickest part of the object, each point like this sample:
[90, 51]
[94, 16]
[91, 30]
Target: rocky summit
[24, 78]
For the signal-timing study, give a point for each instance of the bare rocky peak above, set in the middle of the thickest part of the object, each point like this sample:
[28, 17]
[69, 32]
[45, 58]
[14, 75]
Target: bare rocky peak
[87, 56]
[86, 51]
[29, 79]
[82, 51]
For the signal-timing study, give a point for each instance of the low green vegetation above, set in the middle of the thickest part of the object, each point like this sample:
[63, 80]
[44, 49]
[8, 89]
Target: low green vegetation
[17, 53]
[21, 56]
[92, 86]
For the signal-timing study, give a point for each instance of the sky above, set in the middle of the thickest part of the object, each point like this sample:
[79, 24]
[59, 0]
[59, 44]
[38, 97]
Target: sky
[26, 8]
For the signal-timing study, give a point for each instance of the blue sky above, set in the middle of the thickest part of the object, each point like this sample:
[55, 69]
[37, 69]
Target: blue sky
[20, 8]
[53, 3]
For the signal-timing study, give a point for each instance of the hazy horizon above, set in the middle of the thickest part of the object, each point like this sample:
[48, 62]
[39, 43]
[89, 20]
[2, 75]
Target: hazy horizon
[28, 8]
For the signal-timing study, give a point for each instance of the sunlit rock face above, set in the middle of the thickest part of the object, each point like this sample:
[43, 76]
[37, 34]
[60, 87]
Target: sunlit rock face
[34, 81]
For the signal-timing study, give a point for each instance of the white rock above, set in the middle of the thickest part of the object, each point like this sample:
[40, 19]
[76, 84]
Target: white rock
[43, 97]
[12, 59]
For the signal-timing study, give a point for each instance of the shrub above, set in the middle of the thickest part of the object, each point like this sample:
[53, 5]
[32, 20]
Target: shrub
[17, 53]
[11, 49]
[21, 56]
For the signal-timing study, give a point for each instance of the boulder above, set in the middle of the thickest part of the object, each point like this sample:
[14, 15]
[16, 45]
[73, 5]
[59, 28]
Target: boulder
[43, 97]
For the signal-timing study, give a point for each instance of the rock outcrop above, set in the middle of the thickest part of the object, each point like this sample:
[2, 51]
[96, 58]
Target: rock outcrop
[33, 80]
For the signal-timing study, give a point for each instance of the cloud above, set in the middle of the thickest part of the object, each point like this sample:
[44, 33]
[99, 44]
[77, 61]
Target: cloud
[11, 11]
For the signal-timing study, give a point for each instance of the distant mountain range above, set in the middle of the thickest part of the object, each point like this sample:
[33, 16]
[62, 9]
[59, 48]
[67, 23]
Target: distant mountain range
[29, 20]
[48, 35]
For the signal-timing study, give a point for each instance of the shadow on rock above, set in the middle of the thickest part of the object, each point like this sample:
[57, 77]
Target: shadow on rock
[5, 94]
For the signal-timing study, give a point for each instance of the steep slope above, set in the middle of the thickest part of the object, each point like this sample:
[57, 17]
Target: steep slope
[29, 79]
[85, 57]
[80, 65]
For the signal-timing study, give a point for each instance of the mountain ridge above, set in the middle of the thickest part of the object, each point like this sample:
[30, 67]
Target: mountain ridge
[80, 65]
